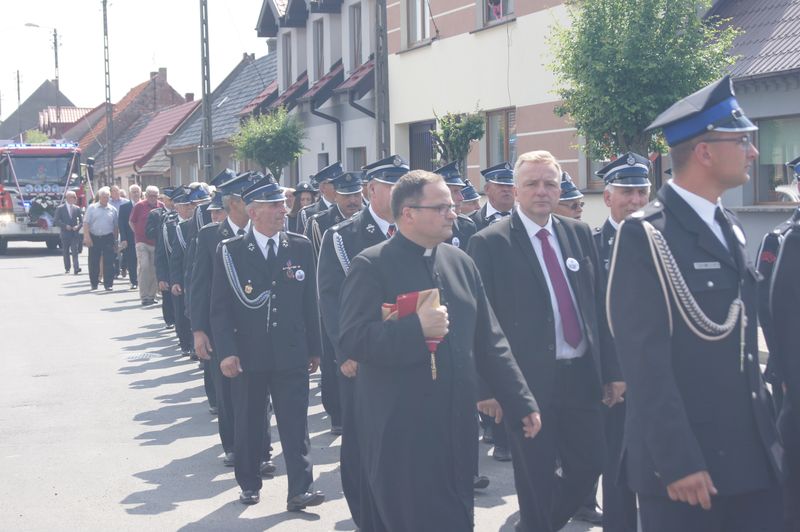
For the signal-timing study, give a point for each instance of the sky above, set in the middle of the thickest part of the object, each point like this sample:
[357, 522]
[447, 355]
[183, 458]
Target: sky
[143, 35]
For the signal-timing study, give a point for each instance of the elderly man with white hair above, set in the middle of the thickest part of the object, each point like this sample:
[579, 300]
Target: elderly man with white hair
[68, 219]
[100, 232]
[145, 247]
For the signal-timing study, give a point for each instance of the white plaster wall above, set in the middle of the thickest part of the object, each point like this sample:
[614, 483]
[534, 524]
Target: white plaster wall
[493, 68]
[321, 139]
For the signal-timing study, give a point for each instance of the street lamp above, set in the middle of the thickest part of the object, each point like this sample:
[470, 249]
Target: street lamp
[55, 51]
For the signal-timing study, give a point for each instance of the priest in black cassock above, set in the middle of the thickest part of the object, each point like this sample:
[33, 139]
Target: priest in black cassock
[416, 427]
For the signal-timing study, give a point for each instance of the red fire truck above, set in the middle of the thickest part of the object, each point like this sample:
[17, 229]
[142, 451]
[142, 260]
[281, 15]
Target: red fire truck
[33, 181]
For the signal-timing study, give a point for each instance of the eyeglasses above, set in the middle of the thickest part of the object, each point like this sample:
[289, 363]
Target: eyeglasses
[441, 210]
[575, 206]
[744, 141]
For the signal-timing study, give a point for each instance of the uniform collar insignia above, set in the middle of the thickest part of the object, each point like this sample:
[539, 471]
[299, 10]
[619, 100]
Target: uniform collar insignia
[251, 246]
[284, 243]
[225, 232]
[370, 228]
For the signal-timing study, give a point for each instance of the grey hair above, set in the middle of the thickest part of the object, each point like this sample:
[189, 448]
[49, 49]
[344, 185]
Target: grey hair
[104, 191]
[152, 188]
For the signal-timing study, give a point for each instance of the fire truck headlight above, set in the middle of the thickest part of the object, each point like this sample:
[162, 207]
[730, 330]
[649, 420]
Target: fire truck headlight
[6, 218]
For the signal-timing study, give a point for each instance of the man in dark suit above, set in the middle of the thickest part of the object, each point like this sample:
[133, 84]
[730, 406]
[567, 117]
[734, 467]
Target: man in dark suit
[541, 275]
[784, 346]
[264, 351]
[700, 447]
[627, 190]
[127, 240]
[340, 244]
[68, 218]
[416, 412]
[500, 195]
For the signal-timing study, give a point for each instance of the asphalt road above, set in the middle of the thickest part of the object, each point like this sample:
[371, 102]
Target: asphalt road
[104, 426]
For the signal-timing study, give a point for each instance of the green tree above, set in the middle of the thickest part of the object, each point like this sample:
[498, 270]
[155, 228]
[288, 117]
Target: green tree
[621, 62]
[456, 131]
[273, 140]
[32, 136]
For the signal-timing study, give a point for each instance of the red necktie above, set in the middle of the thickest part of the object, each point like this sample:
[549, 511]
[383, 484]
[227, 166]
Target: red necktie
[390, 231]
[566, 309]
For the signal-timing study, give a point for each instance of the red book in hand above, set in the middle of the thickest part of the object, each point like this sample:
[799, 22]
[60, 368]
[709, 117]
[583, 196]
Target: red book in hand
[409, 303]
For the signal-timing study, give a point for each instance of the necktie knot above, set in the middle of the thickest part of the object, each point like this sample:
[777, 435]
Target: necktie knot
[542, 234]
[240, 232]
[391, 230]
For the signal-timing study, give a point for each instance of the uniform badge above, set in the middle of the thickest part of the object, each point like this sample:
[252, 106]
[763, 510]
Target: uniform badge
[291, 270]
[299, 275]
[225, 232]
[611, 241]
[251, 246]
[739, 234]
[631, 161]
[248, 289]
[456, 242]
[573, 265]
[285, 243]
[370, 228]
[337, 219]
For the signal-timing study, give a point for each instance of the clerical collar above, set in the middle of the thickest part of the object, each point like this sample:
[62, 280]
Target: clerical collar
[614, 224]
[413, 247]
[704, 208]
[383, 225]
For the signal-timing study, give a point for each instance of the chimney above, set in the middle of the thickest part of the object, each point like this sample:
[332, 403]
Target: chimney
[162, 73]
[153, 75]
[189, 97]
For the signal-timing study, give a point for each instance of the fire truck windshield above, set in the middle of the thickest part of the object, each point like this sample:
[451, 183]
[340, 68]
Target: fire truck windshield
[36, 170]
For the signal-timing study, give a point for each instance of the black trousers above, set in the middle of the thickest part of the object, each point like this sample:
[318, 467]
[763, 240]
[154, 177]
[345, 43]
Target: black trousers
[349, 454]
[498, 431]
[251, 391]
[572, 432]
[182, 326]
[69, 249]
[130, 262]
[790, 432]
[758, 511]
[329, 382]
[209, 384]
[619, 502]
[167, 307]
[102, 247]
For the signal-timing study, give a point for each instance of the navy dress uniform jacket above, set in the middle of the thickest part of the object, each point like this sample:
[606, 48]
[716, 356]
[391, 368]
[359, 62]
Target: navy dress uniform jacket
[282, 334]
[692, 404]
[207, 241]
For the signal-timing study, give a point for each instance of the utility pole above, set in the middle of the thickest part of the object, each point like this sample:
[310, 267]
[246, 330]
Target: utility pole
[55, 50]
[109, 106]
[381, 81]
[207, 135]
[19, 115]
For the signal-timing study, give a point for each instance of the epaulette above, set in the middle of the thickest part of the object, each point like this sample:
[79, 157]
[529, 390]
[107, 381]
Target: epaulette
[297, 236]
[171, 217]
[317, 215]
[345, 223]
[649, 211]
[597, 230]
[210, 225]
[466, 218]
[232, 239]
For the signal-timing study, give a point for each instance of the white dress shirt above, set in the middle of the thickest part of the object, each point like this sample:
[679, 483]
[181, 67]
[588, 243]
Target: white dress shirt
[704, 209]
[263, 242]
[383, 225]
[614, 224]
[563, 349]
[236, 227]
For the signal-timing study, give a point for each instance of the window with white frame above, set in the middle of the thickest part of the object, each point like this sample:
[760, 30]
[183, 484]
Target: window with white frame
[286, 52]
[355, 35]
[319, 49]
[356, 157]
[494, 10]
[778, 142]
[418, 21]
[192, 173]
[501, 136]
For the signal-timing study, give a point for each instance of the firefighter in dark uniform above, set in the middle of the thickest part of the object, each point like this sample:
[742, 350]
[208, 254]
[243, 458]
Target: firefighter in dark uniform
[293, 221]
[202, 273]
[627, 190]
[321, 180]
[471, 200]
[265, 323]
[784, 346]
[500, 198]
[167, 240]
[700, 447]
[463, 226]
[155, 224]
[372, 225]
[569, 204]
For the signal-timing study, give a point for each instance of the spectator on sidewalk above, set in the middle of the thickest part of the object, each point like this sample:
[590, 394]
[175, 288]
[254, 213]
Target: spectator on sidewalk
[127, 242]
[145, 247]
[100, 233]
[68, 219]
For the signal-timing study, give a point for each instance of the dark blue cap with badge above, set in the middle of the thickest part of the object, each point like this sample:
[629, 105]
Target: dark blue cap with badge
[628, 170]
[198, 193]
[265, 190]
[180, 195]
[468, 192]
[568, 189]
[303, 187]
[167, 191]
[712, 108]
[387, 170]
[239, 184]
[348, 183]
[223, 177]
[329, 173]
[451, 174]
[501, 174]
[216, 202]
[795, 165]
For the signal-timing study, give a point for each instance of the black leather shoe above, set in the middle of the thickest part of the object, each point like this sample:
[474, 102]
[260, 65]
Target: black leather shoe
[501, 454]
[588, 515]
[480, 482]
[299, 502]
[268, 468]
[213, 410]
[229, 460]
[249, 497]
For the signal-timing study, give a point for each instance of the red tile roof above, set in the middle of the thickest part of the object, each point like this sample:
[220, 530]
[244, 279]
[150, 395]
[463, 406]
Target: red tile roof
[99, 129]
[294, 91]
[69, 115]
[152, 137]
[362, 74]
[271, 89]
[326, 82]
